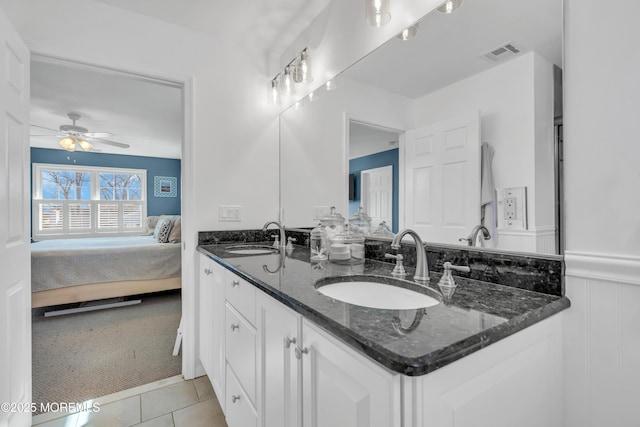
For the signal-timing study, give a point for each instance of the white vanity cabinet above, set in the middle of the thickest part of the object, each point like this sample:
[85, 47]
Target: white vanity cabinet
[241, 352]
[310, 379]
[212, 322]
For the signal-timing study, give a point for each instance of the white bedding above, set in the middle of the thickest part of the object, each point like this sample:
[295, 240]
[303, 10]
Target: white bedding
[71, 262]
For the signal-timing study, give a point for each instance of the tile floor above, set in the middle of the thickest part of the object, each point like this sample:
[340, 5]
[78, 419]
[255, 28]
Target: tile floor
[167, 403]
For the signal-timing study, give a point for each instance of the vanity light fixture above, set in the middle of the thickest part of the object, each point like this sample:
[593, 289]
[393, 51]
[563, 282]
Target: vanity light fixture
[297, 71]
[449, 6]
[377, 12]
[409, 32]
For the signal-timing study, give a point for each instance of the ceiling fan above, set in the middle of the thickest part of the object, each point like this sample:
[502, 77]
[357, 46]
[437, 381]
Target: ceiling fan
[73, 135]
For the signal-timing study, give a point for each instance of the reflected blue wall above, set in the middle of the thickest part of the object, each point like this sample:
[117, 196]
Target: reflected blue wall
[155, 166]
[377, 160]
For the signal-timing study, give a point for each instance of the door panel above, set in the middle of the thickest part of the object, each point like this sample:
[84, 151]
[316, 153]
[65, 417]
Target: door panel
[442, 179]
[15, 251]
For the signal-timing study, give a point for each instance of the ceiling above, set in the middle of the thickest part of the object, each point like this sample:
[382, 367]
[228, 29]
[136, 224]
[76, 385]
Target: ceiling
[146, 114]
[449, 48]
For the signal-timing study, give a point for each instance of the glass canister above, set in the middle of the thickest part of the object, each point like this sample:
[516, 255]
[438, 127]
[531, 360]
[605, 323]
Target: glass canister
[331, 224]
[360, 222]
[383, 231]
[347, 247]
[318, 244]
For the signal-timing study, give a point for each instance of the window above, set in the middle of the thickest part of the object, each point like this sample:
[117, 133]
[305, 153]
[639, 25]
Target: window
[87, 201]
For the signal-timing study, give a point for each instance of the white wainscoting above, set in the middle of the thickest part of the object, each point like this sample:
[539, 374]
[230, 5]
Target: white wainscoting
[540, 240]
[602, 341]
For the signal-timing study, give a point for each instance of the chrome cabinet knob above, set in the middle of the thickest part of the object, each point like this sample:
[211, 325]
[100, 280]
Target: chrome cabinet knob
[235, 283]
[300, 352]
[288, 341]
[235, 398]
[234, 327]
[207, 271]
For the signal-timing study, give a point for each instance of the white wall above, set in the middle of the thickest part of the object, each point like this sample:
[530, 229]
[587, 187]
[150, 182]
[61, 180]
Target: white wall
[515, 101]
[602, 181]
[314, 161]
[232, 155]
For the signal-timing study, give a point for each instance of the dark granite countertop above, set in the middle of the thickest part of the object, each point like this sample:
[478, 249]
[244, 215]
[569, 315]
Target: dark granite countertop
[412, 342]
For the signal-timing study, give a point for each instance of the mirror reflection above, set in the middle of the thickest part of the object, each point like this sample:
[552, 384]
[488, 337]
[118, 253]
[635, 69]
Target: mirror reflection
[455, 128]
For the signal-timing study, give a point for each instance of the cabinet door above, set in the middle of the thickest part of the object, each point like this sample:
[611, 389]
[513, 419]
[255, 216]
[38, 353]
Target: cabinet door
[342, 388]
[212, 321]
[279, 402]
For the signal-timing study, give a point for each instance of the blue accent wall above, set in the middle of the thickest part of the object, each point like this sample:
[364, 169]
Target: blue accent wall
[155, 166]
[377, 160]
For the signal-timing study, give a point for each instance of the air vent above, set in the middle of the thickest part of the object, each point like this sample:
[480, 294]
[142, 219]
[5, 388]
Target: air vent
[502, 52]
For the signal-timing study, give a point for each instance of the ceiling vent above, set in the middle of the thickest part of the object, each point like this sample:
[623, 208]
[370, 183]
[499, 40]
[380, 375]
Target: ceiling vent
[502, 52]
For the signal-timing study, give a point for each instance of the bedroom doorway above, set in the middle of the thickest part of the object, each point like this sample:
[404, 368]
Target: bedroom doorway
[132, 122]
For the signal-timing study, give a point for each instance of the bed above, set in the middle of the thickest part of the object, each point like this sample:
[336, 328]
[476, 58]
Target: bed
[76, 270]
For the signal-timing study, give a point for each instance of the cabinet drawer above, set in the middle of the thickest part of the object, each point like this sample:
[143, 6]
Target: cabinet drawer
[240, 412]
[242, 296]
[241, 349]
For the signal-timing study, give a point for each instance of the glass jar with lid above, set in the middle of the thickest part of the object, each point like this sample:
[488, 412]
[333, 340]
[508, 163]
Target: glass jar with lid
[318, 244]
[331, 224]
[347, 247]
[360, 221]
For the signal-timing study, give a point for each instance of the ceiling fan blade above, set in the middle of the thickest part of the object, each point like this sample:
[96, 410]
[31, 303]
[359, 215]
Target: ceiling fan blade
[106, 141]
[98, 134]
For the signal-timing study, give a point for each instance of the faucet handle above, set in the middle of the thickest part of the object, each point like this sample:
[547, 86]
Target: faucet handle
[447, 283]
[290, 241]
[398, 270]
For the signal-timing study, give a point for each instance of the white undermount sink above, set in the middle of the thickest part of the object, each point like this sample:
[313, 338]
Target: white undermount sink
[373, 292]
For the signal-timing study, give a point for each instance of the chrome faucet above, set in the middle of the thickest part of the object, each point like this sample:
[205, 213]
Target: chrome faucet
[422, 265]
[283, 236]
[471, 239]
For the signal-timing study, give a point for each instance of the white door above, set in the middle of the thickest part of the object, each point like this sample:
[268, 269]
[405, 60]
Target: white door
[15, 251]
[441, 196]
[376, 189]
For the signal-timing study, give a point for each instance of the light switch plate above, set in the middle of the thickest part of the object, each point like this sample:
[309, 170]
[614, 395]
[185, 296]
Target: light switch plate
[230, 213]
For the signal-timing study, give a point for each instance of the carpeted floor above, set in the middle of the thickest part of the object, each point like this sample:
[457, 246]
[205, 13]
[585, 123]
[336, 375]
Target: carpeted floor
[82, 356]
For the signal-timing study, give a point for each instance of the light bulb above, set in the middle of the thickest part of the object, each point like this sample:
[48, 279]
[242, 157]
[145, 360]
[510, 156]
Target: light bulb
[275, 91]
[377, 12]
[86, 146]
[313, 96]
[409, 32]
[305, 66]
[287, 82]
[330, 85]
[449, 6]
[68, 144]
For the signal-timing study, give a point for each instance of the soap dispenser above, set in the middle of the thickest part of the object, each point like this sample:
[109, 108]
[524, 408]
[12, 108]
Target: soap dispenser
[447, 283]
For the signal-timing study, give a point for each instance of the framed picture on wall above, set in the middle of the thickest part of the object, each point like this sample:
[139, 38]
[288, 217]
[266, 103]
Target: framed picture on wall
[165, 186]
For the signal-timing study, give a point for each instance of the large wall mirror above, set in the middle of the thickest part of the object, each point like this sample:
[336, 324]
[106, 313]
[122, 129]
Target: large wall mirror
[458, 126]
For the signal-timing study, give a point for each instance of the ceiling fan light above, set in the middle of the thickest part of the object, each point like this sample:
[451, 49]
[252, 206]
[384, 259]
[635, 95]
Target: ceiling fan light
[68, 144]
[86, 146]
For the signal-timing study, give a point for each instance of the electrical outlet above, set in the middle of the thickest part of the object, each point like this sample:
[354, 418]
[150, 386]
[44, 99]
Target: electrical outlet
[510, 208]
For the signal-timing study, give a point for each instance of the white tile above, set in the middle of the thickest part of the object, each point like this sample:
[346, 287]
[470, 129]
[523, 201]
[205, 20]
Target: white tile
[168, 399]
[204, 388]
[123, 413]
[203, 414]
[163, 421]
[68, 421]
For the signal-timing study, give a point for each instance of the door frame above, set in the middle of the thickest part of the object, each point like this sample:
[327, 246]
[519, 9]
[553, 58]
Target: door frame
[187, 178]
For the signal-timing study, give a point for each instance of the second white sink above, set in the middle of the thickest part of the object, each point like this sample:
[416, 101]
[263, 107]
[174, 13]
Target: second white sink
[373, 294]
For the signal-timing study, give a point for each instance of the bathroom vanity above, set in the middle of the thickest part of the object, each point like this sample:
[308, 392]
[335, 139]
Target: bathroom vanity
[280, 353]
